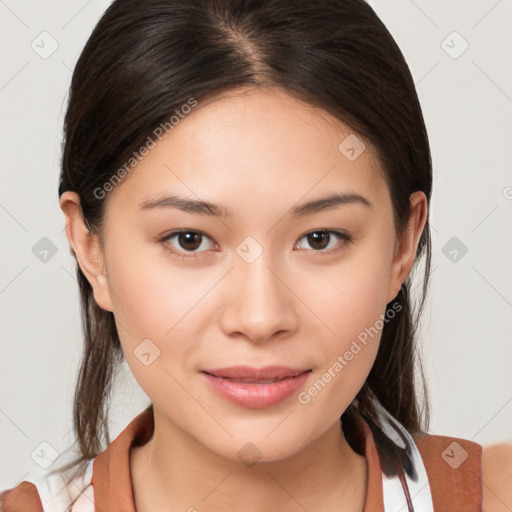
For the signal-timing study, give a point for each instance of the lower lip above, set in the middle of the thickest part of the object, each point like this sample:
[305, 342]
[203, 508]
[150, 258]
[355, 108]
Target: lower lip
[256, 395]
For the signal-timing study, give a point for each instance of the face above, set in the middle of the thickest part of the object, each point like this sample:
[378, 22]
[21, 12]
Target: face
[259, 282]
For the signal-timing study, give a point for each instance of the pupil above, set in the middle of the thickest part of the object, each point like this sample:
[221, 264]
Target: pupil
[318, 238]
[187, 238]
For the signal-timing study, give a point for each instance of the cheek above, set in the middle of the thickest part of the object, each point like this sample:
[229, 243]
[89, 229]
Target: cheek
[159, 302]
[347, 299]
[347, 356]
[150, 313]
[351, 305]
[149, 295]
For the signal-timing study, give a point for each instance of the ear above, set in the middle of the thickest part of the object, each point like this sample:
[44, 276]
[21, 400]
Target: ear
[86, 248]
[405, 250]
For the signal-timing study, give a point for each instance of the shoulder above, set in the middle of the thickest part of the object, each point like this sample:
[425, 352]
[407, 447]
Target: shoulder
[50, 493]
[22, 498]
[497, 477]
[462, 467]
[454, 470]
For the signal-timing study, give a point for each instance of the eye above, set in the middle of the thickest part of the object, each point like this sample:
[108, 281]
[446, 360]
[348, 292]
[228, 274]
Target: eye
[185, 241]
[321, 239]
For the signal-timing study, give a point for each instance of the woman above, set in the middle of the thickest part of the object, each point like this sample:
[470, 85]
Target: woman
[246, 187]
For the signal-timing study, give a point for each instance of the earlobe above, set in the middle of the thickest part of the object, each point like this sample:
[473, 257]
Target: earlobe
[86, 248]
[405, 252]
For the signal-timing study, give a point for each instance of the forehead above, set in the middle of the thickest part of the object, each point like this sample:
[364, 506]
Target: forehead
[258, 143]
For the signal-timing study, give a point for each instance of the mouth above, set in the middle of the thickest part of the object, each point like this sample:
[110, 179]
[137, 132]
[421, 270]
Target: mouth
[256, 387]
[248, 374]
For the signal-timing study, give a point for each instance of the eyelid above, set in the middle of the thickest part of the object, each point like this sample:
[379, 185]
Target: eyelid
[345, 237]
[342, 236]
[182, 254]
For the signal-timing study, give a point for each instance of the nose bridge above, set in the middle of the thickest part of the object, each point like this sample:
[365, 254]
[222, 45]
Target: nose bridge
[260, 305]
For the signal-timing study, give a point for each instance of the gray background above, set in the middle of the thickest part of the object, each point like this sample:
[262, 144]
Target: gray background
[466, 333]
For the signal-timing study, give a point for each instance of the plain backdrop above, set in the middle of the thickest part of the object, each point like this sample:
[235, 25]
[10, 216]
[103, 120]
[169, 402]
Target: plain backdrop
[459, 53]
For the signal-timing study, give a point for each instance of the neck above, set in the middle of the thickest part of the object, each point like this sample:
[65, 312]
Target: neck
[323, 476]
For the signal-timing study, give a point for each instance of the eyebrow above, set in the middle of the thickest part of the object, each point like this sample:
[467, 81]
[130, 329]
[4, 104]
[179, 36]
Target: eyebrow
[206, 208]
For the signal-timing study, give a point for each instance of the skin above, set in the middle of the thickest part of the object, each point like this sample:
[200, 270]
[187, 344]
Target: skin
[258, 153]
[496, 477]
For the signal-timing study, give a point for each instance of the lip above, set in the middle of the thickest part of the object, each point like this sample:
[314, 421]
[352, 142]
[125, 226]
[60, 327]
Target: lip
[256, 387]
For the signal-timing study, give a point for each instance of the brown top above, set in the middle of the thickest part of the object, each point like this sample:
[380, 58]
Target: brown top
[456, 486]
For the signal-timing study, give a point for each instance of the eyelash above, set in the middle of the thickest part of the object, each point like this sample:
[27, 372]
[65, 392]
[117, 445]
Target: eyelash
[184, 255]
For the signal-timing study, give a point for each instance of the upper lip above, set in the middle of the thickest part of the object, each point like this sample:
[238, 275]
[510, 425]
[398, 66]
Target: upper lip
[256, 374]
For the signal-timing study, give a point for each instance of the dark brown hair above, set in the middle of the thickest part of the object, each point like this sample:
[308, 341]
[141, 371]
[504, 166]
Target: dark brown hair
[144, 60]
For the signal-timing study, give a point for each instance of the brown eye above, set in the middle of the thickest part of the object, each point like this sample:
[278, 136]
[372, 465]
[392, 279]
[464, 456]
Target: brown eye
[185, 243]
[189, 240]
[320, 240]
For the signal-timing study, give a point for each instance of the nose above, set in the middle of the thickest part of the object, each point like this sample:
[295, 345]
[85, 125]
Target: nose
[258, 302]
